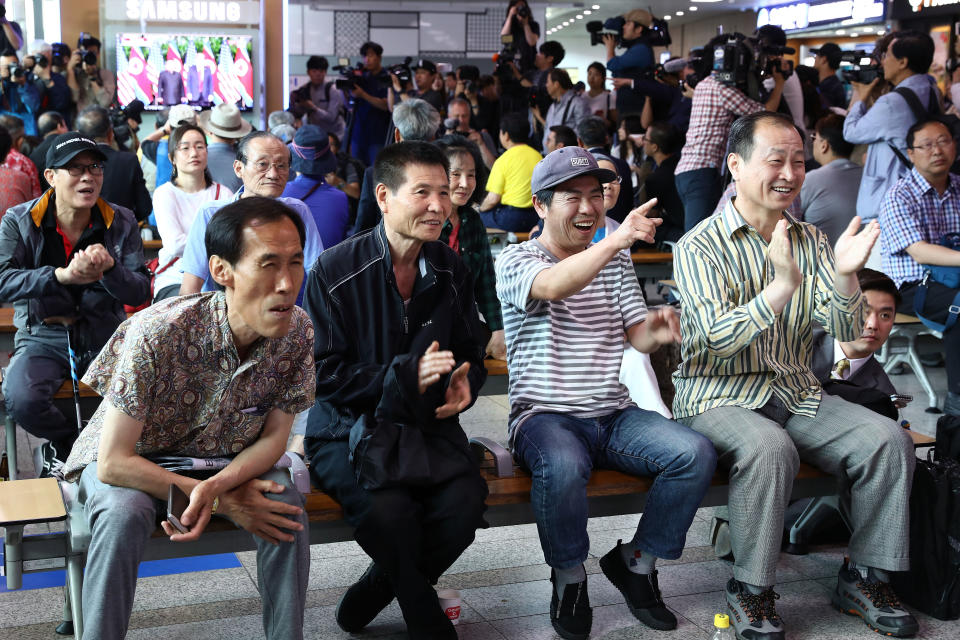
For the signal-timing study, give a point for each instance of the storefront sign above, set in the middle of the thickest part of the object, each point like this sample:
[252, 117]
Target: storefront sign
[921, 8]
[803, 15]
[193, 11]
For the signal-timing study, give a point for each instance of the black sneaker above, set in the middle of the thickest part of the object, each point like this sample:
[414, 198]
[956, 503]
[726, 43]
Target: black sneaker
[874, 601]
[48, 460]
[641, 591]
[367, 597]
[754, 616]
[571, 617]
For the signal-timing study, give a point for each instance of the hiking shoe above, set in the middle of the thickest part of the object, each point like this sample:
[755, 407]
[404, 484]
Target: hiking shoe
[367, 597]
[48, 460]
[874, 601]
[571, 617]
[641, 591]
[753, 616]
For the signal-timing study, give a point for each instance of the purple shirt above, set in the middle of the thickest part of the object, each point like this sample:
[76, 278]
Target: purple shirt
[328, 205]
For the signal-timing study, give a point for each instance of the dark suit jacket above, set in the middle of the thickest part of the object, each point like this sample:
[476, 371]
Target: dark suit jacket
[39, 157]
[123, 182]
[871, 375]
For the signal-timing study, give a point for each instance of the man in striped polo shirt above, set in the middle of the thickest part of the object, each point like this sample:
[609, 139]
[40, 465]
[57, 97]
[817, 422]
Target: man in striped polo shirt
[752, 282]
[567, 308]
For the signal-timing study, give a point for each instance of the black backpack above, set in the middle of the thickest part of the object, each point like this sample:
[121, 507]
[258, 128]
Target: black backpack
[932, 584]
[922, 113]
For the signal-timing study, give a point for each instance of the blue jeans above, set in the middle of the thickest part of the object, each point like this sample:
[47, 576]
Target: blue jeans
[700, 191]
[560, 451]
[510, 218]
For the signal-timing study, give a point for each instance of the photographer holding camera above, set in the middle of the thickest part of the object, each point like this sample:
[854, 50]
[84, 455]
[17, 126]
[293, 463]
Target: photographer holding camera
[371, 114]
[525, 32]
[321, 102]
[89, 83]
[634, 64]
[884, 125]
[717, 102]
[416, 82]
[52, 85]
[20, 97]
[11, 36]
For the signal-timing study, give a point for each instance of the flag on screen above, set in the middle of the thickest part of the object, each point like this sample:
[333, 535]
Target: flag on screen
[211, 63]
[243, 72]
[154, 64]
[226, 81]
[136, 72]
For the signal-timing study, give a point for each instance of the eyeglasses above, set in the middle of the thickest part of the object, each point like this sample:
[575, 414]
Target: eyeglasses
[942, 142]
[77, 170]
[618, 180]
[813, 135]
[262, 166]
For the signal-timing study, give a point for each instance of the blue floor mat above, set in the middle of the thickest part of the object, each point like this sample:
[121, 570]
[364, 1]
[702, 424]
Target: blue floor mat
[57, 577]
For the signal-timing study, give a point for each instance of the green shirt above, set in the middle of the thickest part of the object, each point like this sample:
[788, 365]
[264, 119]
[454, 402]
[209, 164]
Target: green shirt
[736, 351]
[475, 253]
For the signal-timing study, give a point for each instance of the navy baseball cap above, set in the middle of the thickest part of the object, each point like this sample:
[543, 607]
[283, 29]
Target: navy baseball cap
[564, 164]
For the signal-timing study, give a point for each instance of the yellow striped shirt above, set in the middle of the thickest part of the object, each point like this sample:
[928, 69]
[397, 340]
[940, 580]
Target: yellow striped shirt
[736, 351]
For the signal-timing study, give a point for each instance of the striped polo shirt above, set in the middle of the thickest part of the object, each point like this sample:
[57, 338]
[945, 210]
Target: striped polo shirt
[564, 356]
[736, 351]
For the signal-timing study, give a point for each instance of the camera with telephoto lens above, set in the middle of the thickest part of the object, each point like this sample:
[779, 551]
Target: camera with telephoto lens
[858, 66]
[59, 54]
[769, 57]
[656, 34]
[523, 11]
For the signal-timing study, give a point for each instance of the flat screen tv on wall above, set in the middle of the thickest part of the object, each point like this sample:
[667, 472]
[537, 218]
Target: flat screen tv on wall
[202, 70]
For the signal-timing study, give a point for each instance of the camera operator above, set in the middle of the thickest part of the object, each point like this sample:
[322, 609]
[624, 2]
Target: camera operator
[89, 84]
[635, 63]
[319, 101]
[525, 31]
[568, 108]
[52, 85]
[458, 122]
[11, 37]
[665, 97]
[715, 107]
[884, 125]
[371, 113]
[772, 38]
[20, 97]
[420, 85]
[827, 62]
[514, 83]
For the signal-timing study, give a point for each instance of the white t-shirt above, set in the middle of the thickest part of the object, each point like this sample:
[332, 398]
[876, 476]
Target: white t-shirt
[599, 105]
[175, 210]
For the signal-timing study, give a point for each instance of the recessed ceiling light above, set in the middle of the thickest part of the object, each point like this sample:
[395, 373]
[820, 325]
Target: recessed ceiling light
[679, 13]
[693, 8]
[667, 17]
[587, 12]
[595, 7]
[580, 16]
[841, 32]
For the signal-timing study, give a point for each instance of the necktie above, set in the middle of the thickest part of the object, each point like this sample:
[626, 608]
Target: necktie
[841, 368]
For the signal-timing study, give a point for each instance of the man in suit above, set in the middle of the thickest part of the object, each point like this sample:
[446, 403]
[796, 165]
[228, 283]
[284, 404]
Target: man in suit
[853, 361]
[123, 181]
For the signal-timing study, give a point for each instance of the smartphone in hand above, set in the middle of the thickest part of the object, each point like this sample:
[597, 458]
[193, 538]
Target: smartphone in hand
[177, 502]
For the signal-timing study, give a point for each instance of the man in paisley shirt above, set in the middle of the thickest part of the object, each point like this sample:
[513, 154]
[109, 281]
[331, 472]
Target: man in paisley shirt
[218, 374]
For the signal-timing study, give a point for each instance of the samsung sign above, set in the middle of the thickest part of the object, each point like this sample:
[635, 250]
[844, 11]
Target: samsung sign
[192, 11]
[803, 15]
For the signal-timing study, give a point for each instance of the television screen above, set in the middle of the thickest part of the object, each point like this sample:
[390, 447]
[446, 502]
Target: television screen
[165, 69]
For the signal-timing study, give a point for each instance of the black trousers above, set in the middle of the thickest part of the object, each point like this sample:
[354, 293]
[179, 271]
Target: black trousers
[413, 534]
[938, 299]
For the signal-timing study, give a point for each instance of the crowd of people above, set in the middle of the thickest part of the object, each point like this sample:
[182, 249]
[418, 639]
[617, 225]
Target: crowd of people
[332, 276]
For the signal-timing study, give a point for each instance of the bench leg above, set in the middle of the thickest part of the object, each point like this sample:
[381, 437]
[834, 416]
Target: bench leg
[13, 556]
[10, 427]
[65, 628]
[814, 513]
[921, 374]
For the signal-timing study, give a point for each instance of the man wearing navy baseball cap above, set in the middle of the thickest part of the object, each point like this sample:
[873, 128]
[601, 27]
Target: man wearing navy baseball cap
[567, 305]
[72, 255]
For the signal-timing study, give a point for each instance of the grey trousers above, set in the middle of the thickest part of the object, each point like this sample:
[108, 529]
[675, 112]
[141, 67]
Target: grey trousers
[122, 520]
[871, 455]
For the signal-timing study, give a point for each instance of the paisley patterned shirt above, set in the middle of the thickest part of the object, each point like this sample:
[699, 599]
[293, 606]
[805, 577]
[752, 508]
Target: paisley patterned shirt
[174, 367]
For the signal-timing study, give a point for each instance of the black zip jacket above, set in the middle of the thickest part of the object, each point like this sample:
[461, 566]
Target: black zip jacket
[368, 344]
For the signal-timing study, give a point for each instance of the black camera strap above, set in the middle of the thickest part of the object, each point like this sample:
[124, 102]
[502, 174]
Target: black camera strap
[919, 113]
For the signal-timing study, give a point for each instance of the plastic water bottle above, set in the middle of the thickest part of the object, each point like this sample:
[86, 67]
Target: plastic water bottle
[723, 630]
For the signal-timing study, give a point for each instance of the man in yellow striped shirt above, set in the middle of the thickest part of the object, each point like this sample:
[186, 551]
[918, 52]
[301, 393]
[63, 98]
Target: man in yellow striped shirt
[752, 282]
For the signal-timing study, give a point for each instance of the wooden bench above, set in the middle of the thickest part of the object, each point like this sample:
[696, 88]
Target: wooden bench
[152, 245]
[649, 263]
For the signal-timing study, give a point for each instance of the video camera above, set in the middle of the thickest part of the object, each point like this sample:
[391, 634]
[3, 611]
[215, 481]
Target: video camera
[742, 62]
[118, 120]
[348, 74]
[657, 34]
[858, 66]
[402, 70]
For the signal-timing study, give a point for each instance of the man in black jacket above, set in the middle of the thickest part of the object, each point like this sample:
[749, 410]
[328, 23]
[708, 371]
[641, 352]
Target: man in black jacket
[123, 181]
[399, 354]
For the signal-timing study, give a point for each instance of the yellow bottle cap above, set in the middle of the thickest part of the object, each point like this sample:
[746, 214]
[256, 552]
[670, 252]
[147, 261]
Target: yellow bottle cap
[721, 621]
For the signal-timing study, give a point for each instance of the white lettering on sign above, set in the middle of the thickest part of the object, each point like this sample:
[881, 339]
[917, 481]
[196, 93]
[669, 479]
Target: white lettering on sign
[803, 14]
[183, 10]
[917, 5]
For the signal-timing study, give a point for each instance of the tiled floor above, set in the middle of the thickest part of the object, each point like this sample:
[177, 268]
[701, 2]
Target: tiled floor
[502, 579]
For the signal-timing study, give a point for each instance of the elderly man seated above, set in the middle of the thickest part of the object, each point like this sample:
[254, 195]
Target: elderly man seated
[213, 375]
[73, 257]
